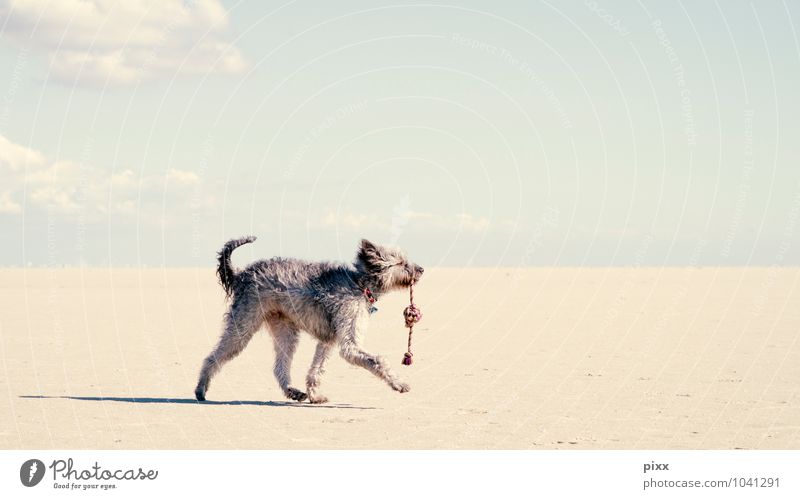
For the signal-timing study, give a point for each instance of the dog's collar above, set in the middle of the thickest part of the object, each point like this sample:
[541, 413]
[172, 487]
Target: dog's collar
[371, 299]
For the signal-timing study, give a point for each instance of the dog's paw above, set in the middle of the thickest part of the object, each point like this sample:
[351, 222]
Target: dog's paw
[318, 399]
[401, 387]
[200, 394]
[295, 394]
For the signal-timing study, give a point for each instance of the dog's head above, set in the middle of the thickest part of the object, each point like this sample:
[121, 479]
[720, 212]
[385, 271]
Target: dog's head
[387, 266]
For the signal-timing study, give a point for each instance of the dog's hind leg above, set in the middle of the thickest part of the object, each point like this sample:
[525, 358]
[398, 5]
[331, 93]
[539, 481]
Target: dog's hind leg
[285, 337]
[351, 351]
[241, 323]
[316, 371]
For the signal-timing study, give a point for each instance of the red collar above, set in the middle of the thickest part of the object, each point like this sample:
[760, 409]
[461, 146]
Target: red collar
[369, 296]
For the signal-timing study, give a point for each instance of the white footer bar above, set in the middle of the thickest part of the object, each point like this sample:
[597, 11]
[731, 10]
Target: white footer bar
[401, 474]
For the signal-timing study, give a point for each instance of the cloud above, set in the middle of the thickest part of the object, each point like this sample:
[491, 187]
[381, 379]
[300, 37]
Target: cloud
[9, 206]
[182, 177]
[415, 221]
[122, 43]
[351, 221]
[69, 188]
[14, 157]
[459, 221]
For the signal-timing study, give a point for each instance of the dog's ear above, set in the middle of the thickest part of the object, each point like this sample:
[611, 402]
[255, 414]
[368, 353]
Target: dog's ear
[367, 245]
[369, 253]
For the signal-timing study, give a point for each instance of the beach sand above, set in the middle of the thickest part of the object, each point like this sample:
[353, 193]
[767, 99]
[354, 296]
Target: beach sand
[542, 358]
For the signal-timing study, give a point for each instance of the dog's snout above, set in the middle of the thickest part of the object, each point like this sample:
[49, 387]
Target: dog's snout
[420, 269]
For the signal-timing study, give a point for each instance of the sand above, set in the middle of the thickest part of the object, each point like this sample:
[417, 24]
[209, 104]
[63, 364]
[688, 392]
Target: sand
[573, 358]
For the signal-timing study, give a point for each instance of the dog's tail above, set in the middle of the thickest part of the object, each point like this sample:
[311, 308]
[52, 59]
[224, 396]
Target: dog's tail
[225, 271]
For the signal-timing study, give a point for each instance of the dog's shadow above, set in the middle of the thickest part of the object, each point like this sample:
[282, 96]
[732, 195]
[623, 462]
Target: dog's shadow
[156, 400]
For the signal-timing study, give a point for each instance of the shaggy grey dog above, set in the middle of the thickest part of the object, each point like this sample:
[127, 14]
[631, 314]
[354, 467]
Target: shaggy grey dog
[330, 301]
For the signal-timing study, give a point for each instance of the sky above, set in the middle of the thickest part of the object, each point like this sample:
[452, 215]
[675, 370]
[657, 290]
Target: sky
[625, 133]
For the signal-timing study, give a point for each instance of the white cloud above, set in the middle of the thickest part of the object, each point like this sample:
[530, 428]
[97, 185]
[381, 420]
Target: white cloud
[68, 188]
[125, 178]
[182, 177]
[411, 221]
[9, 206]
[351, 221]
[60, 199]
[460, 222]
[14, 157]
[107, 41]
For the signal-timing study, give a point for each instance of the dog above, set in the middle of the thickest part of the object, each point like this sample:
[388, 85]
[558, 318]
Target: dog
[330, 301]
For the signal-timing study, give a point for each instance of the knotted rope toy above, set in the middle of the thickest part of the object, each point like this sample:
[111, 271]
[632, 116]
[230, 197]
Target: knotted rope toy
[412, 314]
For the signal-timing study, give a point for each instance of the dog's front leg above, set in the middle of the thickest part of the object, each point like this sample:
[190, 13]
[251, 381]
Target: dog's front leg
[285, 338]
[351, 351]
[316, 371]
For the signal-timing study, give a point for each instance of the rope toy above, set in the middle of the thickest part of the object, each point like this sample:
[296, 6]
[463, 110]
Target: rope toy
[412, 314]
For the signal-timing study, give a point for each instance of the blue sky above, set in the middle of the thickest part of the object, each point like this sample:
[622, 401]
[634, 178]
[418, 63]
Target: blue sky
[470, 133]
